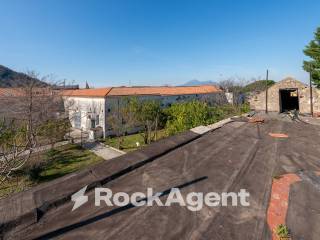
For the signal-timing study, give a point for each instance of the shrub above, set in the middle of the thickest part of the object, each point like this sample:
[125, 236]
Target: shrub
[183, 116]
[282, 231]
[38, 163]
[54, 130]
[34, 168]
[34, 172]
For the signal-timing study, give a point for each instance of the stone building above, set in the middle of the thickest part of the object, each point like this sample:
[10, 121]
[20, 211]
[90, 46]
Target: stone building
[91, 108]
[288, 94]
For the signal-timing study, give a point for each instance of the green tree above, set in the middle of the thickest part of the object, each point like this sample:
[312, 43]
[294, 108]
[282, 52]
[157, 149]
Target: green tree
[148, 113]
[124, 118]
[259, 85]
[312, 66]
[54, 130]
[183, 116]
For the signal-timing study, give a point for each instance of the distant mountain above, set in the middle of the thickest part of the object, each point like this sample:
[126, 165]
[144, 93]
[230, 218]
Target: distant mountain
[196, 82]
[10, 78]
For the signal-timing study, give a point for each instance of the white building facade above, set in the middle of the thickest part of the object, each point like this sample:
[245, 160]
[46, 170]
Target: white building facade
[90, 108]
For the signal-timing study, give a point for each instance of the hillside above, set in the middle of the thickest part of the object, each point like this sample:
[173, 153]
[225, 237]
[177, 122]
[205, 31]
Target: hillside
[259, 85]
[10, 78]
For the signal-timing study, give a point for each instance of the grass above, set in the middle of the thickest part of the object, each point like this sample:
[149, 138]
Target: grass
[129, 141]
[67, 159]
[49, 165]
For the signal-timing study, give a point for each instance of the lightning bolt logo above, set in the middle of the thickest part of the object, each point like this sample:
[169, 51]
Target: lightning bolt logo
[79, 198]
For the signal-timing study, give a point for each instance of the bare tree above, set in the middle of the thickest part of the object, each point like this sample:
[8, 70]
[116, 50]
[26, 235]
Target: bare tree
[234, 85]
[16, 146]
[25, 113]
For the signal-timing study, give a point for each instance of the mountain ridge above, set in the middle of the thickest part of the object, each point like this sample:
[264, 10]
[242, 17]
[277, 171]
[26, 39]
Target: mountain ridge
[10, 78]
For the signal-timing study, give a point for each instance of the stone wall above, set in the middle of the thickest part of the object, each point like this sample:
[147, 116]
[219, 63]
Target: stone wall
[258, 101]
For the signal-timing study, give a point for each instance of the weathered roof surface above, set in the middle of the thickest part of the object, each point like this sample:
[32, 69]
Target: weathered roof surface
[233, 157]
[131, 91]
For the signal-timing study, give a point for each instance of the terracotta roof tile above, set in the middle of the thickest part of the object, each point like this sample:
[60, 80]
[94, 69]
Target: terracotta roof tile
[130, 91]
[94, 92]
[11, 92]
[20, 92]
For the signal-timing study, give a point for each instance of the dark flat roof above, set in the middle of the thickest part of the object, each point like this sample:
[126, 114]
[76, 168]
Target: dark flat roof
[238, 155]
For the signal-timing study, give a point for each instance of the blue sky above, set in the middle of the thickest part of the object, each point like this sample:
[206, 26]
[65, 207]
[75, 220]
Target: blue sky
[149, 42]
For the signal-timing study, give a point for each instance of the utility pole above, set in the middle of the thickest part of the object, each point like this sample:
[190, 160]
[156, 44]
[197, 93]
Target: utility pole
[311, 97]
[267, 91]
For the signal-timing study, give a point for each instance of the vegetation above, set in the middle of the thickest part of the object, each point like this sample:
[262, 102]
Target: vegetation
[242, 86]
[10, 78]
[312, 50]
[123, 119]
[131, 113]
[129, 142]
[259, 85]
[276, 177]
[148, 114]
[183, 116]
[282, 231]
[47, 166]
[16, 145]
[177, 118]
[28, 120]
[18, 141]
[54, 130]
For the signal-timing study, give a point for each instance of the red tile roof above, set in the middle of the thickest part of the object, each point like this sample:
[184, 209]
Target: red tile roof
[94, 92]
[130, 91]
[11, 92]
[20, 92]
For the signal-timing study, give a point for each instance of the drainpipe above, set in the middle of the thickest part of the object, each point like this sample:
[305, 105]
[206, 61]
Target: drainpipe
[311, 97]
